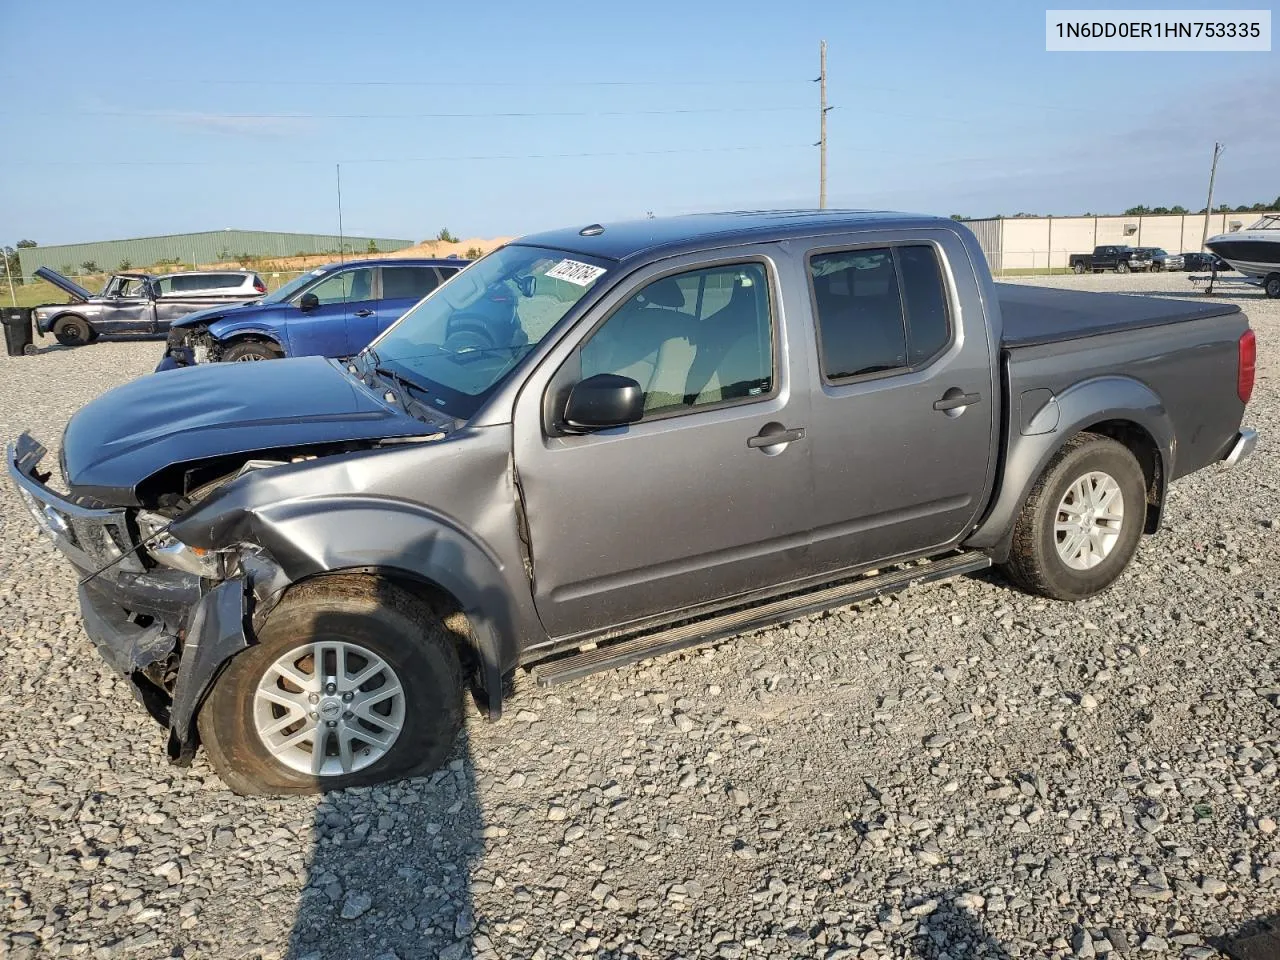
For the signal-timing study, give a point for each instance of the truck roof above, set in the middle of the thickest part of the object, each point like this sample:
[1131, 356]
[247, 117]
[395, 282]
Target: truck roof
[629, 239]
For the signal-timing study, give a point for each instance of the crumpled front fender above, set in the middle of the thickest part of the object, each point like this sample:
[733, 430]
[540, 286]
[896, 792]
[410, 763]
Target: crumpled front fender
[216, 631]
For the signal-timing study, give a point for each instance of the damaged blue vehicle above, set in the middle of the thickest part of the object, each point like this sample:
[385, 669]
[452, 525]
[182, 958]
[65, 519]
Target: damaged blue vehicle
[331, 311]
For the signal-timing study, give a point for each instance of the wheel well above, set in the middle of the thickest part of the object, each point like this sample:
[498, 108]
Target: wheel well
[438, 600]
[1144, 448]
[253, 338]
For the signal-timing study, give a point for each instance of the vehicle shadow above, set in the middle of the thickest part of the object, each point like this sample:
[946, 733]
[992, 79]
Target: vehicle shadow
[952, 930]
[1258, 939]
[389, 875]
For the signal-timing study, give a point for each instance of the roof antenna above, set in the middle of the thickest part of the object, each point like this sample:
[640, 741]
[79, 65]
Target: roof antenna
[594, 230]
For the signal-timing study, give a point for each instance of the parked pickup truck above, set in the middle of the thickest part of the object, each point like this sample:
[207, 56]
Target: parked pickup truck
[139, 302]
[703, 425]
[1111, 257]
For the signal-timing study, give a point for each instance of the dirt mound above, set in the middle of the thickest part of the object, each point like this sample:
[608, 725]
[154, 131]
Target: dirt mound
[427, 248]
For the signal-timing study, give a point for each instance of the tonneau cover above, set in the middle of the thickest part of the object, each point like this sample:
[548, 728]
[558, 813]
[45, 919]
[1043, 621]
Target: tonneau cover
[1035, 315]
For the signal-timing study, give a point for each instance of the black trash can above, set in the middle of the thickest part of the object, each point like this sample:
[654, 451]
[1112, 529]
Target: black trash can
[17, 330]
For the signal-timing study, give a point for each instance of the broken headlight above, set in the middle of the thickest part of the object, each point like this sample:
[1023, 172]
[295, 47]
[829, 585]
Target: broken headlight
[167, 550]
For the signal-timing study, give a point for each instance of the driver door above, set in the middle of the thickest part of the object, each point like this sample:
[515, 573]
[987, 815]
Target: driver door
[128, 307]
[325, 330]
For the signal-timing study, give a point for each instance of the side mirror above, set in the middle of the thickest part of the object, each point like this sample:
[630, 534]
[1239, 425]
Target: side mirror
[308, 301]
[605, 400]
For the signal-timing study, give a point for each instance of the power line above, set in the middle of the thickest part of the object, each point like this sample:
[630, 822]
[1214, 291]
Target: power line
[241, 81]
[436, 159]
[202, 115]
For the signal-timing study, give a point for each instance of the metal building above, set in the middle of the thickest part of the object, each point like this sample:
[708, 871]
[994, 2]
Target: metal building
[211, 246]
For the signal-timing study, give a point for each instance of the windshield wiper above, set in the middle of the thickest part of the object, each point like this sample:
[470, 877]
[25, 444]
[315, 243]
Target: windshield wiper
[403, 381]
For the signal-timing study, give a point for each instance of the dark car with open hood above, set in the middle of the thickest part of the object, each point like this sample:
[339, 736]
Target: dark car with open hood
[139, 302]
[304, 565]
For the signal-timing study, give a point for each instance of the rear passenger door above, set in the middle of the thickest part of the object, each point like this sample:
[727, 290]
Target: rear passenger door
[903, 417]
[401, 288]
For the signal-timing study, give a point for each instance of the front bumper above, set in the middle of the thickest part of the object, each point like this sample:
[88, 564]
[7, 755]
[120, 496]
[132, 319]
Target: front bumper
[167, 632]
[1242, 448]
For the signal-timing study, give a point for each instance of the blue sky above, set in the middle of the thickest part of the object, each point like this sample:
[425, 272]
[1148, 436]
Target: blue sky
[946, 107]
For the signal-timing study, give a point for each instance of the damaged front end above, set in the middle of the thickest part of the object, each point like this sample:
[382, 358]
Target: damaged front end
[165, 616]
[188, 345]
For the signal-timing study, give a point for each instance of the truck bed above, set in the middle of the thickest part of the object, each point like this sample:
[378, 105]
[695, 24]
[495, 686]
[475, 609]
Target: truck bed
[1037, 315]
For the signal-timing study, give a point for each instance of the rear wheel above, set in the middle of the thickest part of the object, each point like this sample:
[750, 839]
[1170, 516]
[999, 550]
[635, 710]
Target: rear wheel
[1122, 267]
[353, 681]
[1078, 268]
[1272, 286]
[250, 350]
[1081, 524]
[72, 331]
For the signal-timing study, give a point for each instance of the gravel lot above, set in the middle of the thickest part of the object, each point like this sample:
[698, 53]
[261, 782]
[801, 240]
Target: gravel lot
[961, 771]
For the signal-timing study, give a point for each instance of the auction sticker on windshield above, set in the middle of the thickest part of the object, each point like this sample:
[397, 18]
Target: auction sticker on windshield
[575, 272]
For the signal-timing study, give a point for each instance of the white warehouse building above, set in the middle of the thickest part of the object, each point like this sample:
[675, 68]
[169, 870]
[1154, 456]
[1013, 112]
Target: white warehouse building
[1026, 243]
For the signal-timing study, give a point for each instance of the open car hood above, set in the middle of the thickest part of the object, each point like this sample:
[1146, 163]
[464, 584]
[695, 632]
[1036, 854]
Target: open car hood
[218, 410]
[62, 283]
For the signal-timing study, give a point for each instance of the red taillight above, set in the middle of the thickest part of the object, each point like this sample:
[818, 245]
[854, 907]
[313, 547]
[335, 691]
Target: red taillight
[259, 286]
[1248, 362]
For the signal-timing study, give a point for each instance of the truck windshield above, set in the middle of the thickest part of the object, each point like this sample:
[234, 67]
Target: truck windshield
[460, 342]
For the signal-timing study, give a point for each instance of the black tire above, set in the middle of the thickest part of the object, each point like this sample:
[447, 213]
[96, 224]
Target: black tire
[1078, 268]
[246, 350]
[1156, 268]
[1272, 286]
[72, 330]
[363, 610]
[1122, 267]
[1034, 563]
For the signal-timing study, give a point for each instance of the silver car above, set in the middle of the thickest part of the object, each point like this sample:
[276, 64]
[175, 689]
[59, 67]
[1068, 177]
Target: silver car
[139, 302]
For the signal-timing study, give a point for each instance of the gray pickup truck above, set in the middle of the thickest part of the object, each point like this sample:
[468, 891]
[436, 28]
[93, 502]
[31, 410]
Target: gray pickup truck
[701, 425]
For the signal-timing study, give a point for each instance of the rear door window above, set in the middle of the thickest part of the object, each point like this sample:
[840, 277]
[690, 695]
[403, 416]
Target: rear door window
[879, 309]
[408, 283]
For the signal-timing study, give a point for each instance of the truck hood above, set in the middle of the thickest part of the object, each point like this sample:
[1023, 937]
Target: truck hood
[62, 283]
[128, 434]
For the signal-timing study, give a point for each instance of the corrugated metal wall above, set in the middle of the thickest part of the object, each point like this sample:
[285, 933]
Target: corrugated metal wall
[195, 248]
[988, 234]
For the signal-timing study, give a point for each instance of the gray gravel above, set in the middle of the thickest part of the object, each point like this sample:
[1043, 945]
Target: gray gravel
[961, 771]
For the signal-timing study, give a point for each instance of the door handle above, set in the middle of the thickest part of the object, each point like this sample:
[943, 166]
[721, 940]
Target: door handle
[774, 439]
[364, 313]
[953, 399]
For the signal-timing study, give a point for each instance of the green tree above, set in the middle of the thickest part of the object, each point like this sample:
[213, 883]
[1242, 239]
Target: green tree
[27, 244]
[958, 216]
[89, 266]
[372, 248]
[444, 236]
[125, 264]
[12, 265]
[1179, 209]
[474, 253]
[1137, 211]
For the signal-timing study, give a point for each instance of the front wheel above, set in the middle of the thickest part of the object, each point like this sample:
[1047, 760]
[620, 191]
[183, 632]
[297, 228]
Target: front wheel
[1078, 268]
[353, 682]
[1080, 526]
[73, 331]
[250, 350]
[1272, 286]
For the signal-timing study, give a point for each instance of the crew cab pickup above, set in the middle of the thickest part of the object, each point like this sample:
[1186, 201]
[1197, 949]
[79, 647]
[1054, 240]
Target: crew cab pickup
[1121, 259]
[702, 425]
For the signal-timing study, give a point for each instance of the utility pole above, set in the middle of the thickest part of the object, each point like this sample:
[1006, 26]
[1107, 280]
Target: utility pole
[1208, 207]
[341, 259]
[822, 125]
[9, 274]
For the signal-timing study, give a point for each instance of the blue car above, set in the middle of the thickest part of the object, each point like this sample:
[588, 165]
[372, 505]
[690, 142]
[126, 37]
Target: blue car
[331, 311]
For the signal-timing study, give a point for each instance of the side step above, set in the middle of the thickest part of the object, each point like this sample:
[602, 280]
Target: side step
[620, 653]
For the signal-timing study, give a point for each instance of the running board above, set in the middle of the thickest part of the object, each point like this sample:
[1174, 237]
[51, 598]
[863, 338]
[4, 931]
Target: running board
[620, 653]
